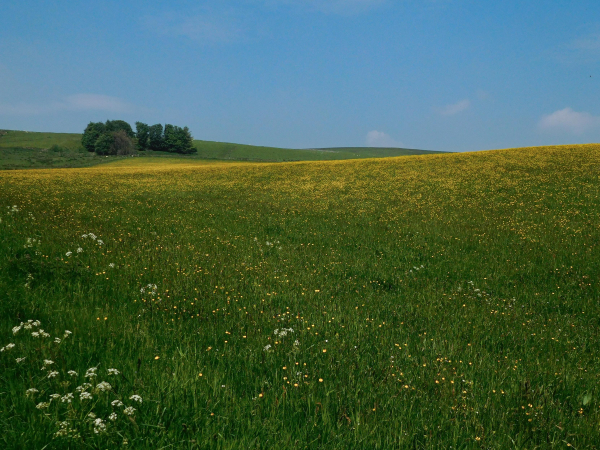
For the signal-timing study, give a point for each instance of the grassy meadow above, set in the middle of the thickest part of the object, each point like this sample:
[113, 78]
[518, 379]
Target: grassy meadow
[422, 302]
[34, 150]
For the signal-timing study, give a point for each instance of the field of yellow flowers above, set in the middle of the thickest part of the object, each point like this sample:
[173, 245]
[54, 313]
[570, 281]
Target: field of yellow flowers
[441, 301]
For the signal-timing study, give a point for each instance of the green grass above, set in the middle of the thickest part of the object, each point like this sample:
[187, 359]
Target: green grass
[33, 150]
[440, 301]
[240, 152]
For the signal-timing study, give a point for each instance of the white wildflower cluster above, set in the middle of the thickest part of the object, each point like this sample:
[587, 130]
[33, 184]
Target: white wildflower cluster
[416, 269]
[68, 398]
[93, 237]
[12, 210]
[31, 392]
[68, 404]
[7, 347]
[83, 387]
[283, 332]
[103, 386]
[111, 265]
[150, 288]
[267, 348]
[268, 244]
[31, 242]
[66, 430]
[29, 280]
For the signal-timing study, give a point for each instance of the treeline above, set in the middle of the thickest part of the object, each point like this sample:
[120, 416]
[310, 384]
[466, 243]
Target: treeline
[116, 137]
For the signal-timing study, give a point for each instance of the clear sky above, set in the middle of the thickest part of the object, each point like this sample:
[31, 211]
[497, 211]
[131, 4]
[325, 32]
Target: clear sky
[451, 75]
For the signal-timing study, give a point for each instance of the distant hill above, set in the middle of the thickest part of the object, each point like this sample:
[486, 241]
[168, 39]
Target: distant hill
[27, 149]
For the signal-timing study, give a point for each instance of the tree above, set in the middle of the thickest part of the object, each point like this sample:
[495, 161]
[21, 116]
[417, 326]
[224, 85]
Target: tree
[104, 144]
[116, 125]
[91, 133]
[155, 137]
[142, 135]
[115, 143]
[122, 143]
[170, 138]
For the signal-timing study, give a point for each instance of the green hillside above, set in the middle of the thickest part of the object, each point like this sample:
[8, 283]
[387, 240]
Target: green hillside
[24, 150]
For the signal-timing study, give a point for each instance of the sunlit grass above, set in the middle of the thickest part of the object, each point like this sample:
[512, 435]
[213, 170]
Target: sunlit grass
[441, 301]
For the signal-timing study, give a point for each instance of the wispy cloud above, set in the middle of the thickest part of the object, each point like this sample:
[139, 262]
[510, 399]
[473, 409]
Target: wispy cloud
[206, 28]
[567, 120]
[380, 139]
[77, 102]
[454, 108]
[584, 49]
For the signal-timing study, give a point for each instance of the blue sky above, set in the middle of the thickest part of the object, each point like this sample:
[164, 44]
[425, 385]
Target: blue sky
[433, 74]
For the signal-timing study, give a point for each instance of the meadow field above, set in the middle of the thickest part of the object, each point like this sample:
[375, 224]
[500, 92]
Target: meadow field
[420, 302]
[34, 150]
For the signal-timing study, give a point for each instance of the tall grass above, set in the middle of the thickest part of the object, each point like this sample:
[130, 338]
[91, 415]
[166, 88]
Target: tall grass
[443, 301]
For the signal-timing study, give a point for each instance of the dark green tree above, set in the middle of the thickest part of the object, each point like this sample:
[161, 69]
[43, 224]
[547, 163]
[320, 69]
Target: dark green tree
[170, 138]
[156, 140]
[91, 133]
[116, 125]
[104, 144]
[142, 133]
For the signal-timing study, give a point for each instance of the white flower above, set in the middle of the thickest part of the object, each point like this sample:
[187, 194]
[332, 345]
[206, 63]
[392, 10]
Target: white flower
[117, 403]
[57, 340]
[136, 398]
[55, 396]
[8, 347]
[42, 405]
[142, 290]
[129, 411]
[91, 372]
[85, 396]
[113, 416]
[64, 429]
[83, 387]
[35, 334]
[28, 326]
[19, 360]
[296, 343]
[68, 253]
[113, 372]
[99, 426]
[103, 386]
[67, 333]
[91, 416]
[15, 330]
[79, 250]
[48, 362]
[111, 265]
[84, 236]
[67, 398]
[100, 242]
[44, 334]
[30, 392]
[72, 373]
[53, 374]
[92, 235]
[37, 323]
[267, 347]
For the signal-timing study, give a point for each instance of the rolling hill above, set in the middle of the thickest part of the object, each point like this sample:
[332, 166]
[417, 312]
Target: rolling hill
[23, 150]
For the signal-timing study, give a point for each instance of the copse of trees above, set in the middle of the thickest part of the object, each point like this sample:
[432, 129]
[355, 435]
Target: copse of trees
[116, 137]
